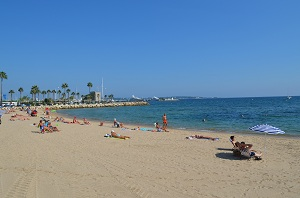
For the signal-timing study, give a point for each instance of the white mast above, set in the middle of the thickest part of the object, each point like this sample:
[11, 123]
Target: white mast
[102, 90]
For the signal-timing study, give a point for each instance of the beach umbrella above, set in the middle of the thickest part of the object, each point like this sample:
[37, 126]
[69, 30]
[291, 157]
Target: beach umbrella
[266, 129]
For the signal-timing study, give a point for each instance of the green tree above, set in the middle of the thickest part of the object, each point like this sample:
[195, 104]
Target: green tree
[43, 93]
[2, 76]
[48, 93]
[21, 91]
[11, 92]
[64, 86]
[90, 85]
[68, 92]
[53, 92]
[59, 92]
[35, 90]
[111, 97]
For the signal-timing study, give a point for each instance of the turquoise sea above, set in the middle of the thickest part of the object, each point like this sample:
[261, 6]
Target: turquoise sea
[232, 115]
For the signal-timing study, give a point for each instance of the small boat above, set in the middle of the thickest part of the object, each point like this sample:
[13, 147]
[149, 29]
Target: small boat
[134, 98]
[155, 98]
[168, 99]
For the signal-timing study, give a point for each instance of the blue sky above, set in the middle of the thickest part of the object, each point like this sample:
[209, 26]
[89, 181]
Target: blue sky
[212, 48]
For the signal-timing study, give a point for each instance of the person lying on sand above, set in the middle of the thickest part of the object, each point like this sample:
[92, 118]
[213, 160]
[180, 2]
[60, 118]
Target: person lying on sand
[86, 122]
[201, 137]
[116, 135]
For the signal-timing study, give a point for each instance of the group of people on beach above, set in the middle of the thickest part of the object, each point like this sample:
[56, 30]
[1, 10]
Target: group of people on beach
[243, 149]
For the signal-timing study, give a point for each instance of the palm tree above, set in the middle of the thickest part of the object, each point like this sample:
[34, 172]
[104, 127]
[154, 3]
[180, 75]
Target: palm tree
[20, 90]
[2, 76]
[89, 86]
[43, 93]
[111, 97]
[68, 92]
[78, 94]
[35, 90]
[11, 93]
[53, 92]
[48, 93]
[73, 95]
[59, 92]
[64, 86]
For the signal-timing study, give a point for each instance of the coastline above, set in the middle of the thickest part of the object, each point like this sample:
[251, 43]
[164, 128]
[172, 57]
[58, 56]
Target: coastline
[80, 162]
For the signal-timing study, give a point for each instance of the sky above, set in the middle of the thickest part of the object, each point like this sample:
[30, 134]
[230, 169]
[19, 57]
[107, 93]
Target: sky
[146, 48]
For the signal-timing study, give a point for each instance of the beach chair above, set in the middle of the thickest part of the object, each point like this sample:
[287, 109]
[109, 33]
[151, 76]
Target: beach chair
[236, 151]
[249, 154]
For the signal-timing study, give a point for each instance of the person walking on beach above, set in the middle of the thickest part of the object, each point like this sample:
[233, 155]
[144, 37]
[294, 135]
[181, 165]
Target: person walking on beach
[165, 122]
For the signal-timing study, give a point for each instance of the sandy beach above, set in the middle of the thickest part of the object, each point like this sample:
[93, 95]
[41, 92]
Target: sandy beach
[80, 162]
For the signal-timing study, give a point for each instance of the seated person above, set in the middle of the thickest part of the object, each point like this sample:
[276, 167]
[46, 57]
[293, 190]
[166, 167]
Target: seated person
[75, 120]
[34, 113]
[115, 135]
[247, 151]
[42, 127]
[159, 128]
[116, 123]
[232, 140]
[53, 128]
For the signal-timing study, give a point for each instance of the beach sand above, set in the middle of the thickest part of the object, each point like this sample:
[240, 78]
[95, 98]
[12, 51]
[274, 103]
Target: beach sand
[80, 162]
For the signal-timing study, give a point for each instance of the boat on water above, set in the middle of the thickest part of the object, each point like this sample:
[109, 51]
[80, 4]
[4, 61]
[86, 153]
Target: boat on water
[289, 97]
[134, 98]
[168, 99]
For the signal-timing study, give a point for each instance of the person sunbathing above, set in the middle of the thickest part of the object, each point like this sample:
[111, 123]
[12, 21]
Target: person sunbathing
[201, 137]
[86, 122]
[246, 150]
[116, 135]
[53, 128]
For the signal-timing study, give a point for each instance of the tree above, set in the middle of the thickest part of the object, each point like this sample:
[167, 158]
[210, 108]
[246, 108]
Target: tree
[21, 91]
[53, 92]
[73, 95]
[48, 93]
[59, 92]
[43, 93]
[111, 97]
[35, 90]
[78, 94]
[64, 86]
[11, 93]
[2, 76]
[89, 86]
[68, 92]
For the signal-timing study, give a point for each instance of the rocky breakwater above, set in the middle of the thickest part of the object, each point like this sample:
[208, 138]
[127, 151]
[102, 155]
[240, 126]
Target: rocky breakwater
[114, 104]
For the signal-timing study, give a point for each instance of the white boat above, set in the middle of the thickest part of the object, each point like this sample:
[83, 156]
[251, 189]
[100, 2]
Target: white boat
[134, 98]
[169, 99]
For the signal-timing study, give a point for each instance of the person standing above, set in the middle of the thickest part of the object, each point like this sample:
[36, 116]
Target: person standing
[165, 122]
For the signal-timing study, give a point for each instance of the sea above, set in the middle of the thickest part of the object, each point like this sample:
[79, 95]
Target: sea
[229, 115]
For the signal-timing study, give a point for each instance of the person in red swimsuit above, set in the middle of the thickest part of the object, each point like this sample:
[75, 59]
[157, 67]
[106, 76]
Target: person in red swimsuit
[165, 122]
